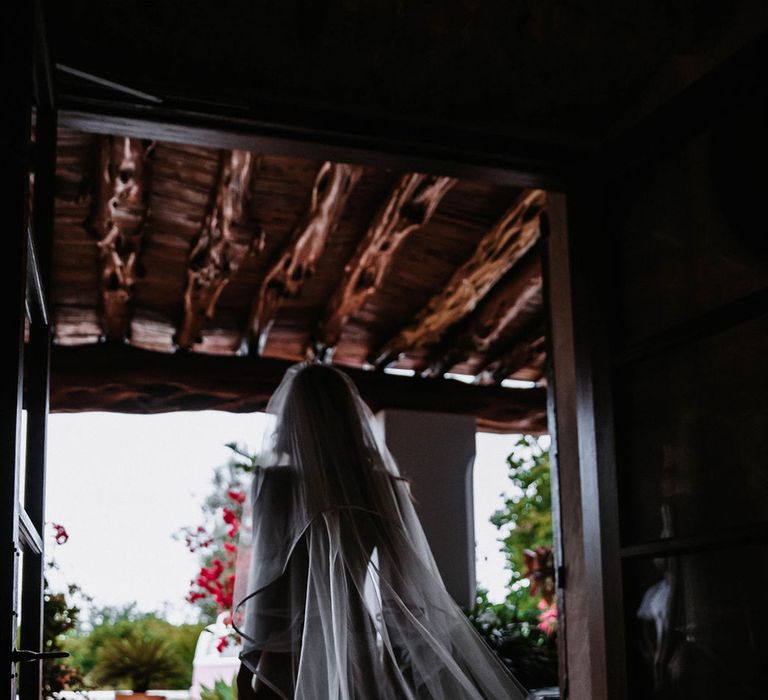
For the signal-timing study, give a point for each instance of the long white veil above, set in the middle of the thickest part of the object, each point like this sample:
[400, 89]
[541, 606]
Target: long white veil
[333, 569]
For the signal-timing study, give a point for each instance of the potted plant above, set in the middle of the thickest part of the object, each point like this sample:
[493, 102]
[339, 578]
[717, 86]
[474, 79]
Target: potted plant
[140, 662]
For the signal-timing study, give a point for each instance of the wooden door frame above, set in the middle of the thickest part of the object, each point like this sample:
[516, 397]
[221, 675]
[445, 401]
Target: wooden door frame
[16, 132]
[37, 358]
[28, 266]
[581, 426]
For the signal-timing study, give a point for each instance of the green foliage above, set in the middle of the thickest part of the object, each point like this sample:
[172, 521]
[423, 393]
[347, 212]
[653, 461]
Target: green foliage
[515, 636]
[59, 619]
[140, 662]
[221, 691]
[110, 623]
[512, 628]
[525, 519]
[183, 640]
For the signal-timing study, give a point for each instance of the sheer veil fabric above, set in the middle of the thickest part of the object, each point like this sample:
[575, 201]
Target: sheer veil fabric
[333, 568]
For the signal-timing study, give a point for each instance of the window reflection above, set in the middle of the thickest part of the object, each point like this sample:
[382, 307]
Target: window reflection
[698, 625]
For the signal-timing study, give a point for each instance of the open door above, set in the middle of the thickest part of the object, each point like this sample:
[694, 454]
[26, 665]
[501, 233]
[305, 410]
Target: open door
[26, 330]
[658, 284]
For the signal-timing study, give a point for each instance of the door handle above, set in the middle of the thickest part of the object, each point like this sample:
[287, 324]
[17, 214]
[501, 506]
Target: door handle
[20, 656]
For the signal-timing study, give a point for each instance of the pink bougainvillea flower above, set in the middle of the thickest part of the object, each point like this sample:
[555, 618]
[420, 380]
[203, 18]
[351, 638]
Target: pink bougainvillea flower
[230, 547]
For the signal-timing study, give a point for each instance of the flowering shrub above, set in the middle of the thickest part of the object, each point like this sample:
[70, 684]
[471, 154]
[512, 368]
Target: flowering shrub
[216, 540]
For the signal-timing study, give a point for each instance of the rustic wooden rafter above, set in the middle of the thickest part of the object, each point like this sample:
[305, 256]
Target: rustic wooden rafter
[513, 306]
[297, 260]
[529, 353]
[411, 204]
[120, 215]
[221, 246]
[506, 243]
[129, 380]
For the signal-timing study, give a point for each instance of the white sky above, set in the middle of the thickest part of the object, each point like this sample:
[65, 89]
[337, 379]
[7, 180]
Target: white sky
[123, 484]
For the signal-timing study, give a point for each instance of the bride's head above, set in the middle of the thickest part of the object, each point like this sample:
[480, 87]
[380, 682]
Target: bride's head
[321, 430]
[321, 400]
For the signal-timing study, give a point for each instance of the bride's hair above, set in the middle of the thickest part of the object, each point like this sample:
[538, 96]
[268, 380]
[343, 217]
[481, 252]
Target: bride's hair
[323, 434]
[321, 402]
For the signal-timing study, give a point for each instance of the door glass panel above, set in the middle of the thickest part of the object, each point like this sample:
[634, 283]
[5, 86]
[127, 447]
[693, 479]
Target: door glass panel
[691, 436]
[697, 625]
[22, 455]
[17, 592]
[684, 248]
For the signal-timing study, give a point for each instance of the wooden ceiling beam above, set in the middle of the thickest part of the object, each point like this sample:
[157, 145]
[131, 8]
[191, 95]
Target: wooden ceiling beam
[528, 353]
[506, 243]
[411, 204]
[221, 246]
[513, 306]
[121, 210]
[298, 258]
[126, 379]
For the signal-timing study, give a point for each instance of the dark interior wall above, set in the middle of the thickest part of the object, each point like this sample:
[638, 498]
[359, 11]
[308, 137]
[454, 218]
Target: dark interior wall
[691, 408]
[571, 69]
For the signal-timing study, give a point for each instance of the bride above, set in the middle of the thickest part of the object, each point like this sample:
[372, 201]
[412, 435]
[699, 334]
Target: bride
[337, 595]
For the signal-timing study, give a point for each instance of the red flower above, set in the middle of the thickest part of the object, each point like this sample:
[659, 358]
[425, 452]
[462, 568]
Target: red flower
[222, 644]
[61, 535]
[236, 496]
[230, 547]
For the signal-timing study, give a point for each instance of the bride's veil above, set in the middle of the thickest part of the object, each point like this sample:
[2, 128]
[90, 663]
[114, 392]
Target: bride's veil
[333, 568]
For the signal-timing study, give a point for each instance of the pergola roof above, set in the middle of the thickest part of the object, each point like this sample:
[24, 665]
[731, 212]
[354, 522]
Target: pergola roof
[216, 246]
[253, 257]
